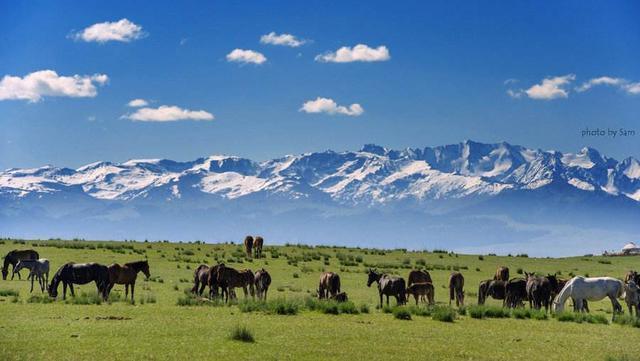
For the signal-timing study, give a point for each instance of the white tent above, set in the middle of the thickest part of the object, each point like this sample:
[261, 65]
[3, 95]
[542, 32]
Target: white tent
[630, 248]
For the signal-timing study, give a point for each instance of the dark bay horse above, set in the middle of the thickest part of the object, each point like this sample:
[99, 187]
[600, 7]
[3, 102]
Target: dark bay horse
[212, 281]
[258, 242]
[200, 279]
[248, 245]
[494, 288]
[12, 259]
[80, 274]
[229, 278]
[388, 286]
[262, 282]
[126, 275]
[515, 292]
[456, 288]
[418, 276]
[539, 291]
[329, 285]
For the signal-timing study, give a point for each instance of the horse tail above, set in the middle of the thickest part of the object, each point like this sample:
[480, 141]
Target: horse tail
[451, 289]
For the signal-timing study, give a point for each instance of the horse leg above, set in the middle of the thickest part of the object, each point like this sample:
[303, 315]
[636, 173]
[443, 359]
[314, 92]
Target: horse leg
[387, 300]
[133, 285]
[31, 285]
[64, 290]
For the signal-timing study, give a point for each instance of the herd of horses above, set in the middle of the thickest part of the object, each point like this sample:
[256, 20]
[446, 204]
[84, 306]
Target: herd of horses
[69, 274]
[539, 291]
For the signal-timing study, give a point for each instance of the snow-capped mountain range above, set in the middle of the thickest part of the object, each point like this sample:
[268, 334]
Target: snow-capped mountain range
[467, 178]
[372, 175]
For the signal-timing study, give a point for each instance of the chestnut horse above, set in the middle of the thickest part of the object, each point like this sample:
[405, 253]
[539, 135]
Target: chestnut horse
[258, 242]
[329, 285]
[248, 245]
[502, 274]
[262, 281]
[126, 275]
[456, 288]
[12, 259]
[422, 291]
[200, 279]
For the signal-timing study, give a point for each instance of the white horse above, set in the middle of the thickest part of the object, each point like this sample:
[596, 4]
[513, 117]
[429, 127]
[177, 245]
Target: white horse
[591, 289]
[37, 268]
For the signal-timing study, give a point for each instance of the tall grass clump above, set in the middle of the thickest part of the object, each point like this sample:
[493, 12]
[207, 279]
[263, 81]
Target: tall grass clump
[401, 313]
[627, 320]
[7, 293]
[91, 298]
[40, 299]
[582, 318]
[444, 314]
[479, 312]
[527, 313]
[242, 334]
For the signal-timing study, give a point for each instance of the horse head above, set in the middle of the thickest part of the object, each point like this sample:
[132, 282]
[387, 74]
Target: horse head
[373, 277]
[145, 269]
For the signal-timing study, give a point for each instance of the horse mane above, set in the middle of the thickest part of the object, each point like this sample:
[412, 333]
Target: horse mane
[136, 265]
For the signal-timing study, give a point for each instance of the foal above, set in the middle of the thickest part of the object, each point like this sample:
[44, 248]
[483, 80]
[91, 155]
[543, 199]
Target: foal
[126, 275]
[37, 268]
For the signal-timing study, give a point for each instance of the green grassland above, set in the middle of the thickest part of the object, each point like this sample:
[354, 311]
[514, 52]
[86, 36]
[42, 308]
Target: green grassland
[167, 324]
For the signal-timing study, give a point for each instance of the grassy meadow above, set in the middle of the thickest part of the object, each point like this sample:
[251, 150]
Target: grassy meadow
[165, 323]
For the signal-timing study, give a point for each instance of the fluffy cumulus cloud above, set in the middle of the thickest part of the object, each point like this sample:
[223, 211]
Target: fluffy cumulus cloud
[329, 106]
[621, 83]
[167, 113]
[359, 52]
[282, 39]
[135, 103]
[246, 57]
[34, 86]
[122, 30]
[548, 89]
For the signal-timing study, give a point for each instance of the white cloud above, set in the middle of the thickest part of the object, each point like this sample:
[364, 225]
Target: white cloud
[359, 52]
[282, 39]
[168, 113]
[246, 56]
[551, 88]
[122, 30]
[517, 94]
[326, 105]
[33, 87]
[621, 83]
[135, 103]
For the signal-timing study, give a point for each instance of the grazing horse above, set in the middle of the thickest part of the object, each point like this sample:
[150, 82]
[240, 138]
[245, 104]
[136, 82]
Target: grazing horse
[538, 291]
[515, 292]
[592, 289]
[456, 288]
[37, 268]
[211, 279]
[422, 291]
[388, 286]
[329, 285]
[229, 278]
[632, 297]
[262, 282]
[200, 279]
[80, 273]
[418, 276]
[126, 275]
[502, 274]
[494, 288]
[248, 245]
[12, 259]
[340, 297]
[258, 242]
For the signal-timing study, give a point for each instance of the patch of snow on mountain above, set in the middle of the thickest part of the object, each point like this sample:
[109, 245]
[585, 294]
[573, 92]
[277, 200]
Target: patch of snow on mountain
[581, 184]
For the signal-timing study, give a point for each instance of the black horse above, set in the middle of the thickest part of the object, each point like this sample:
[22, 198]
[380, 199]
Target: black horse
[13, 257]
[389, 286]
[494, 288]
[80, 273]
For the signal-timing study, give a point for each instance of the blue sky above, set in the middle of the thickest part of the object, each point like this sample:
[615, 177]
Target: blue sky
[442, 79]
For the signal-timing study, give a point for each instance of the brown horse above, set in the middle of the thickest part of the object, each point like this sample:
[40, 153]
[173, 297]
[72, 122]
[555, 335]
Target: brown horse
[262, 281]
[538, 291]
[126, 275]
[418, 276]
[12, 259]
[329, 285]
[229, 278]
[515, 293]
[340, 297]
[258, 242]
[200, 279]
[502, 274]
[632, 276]
[494, 288]
[456, 288]
[422, 291]
[211, 280]
[248, 245]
